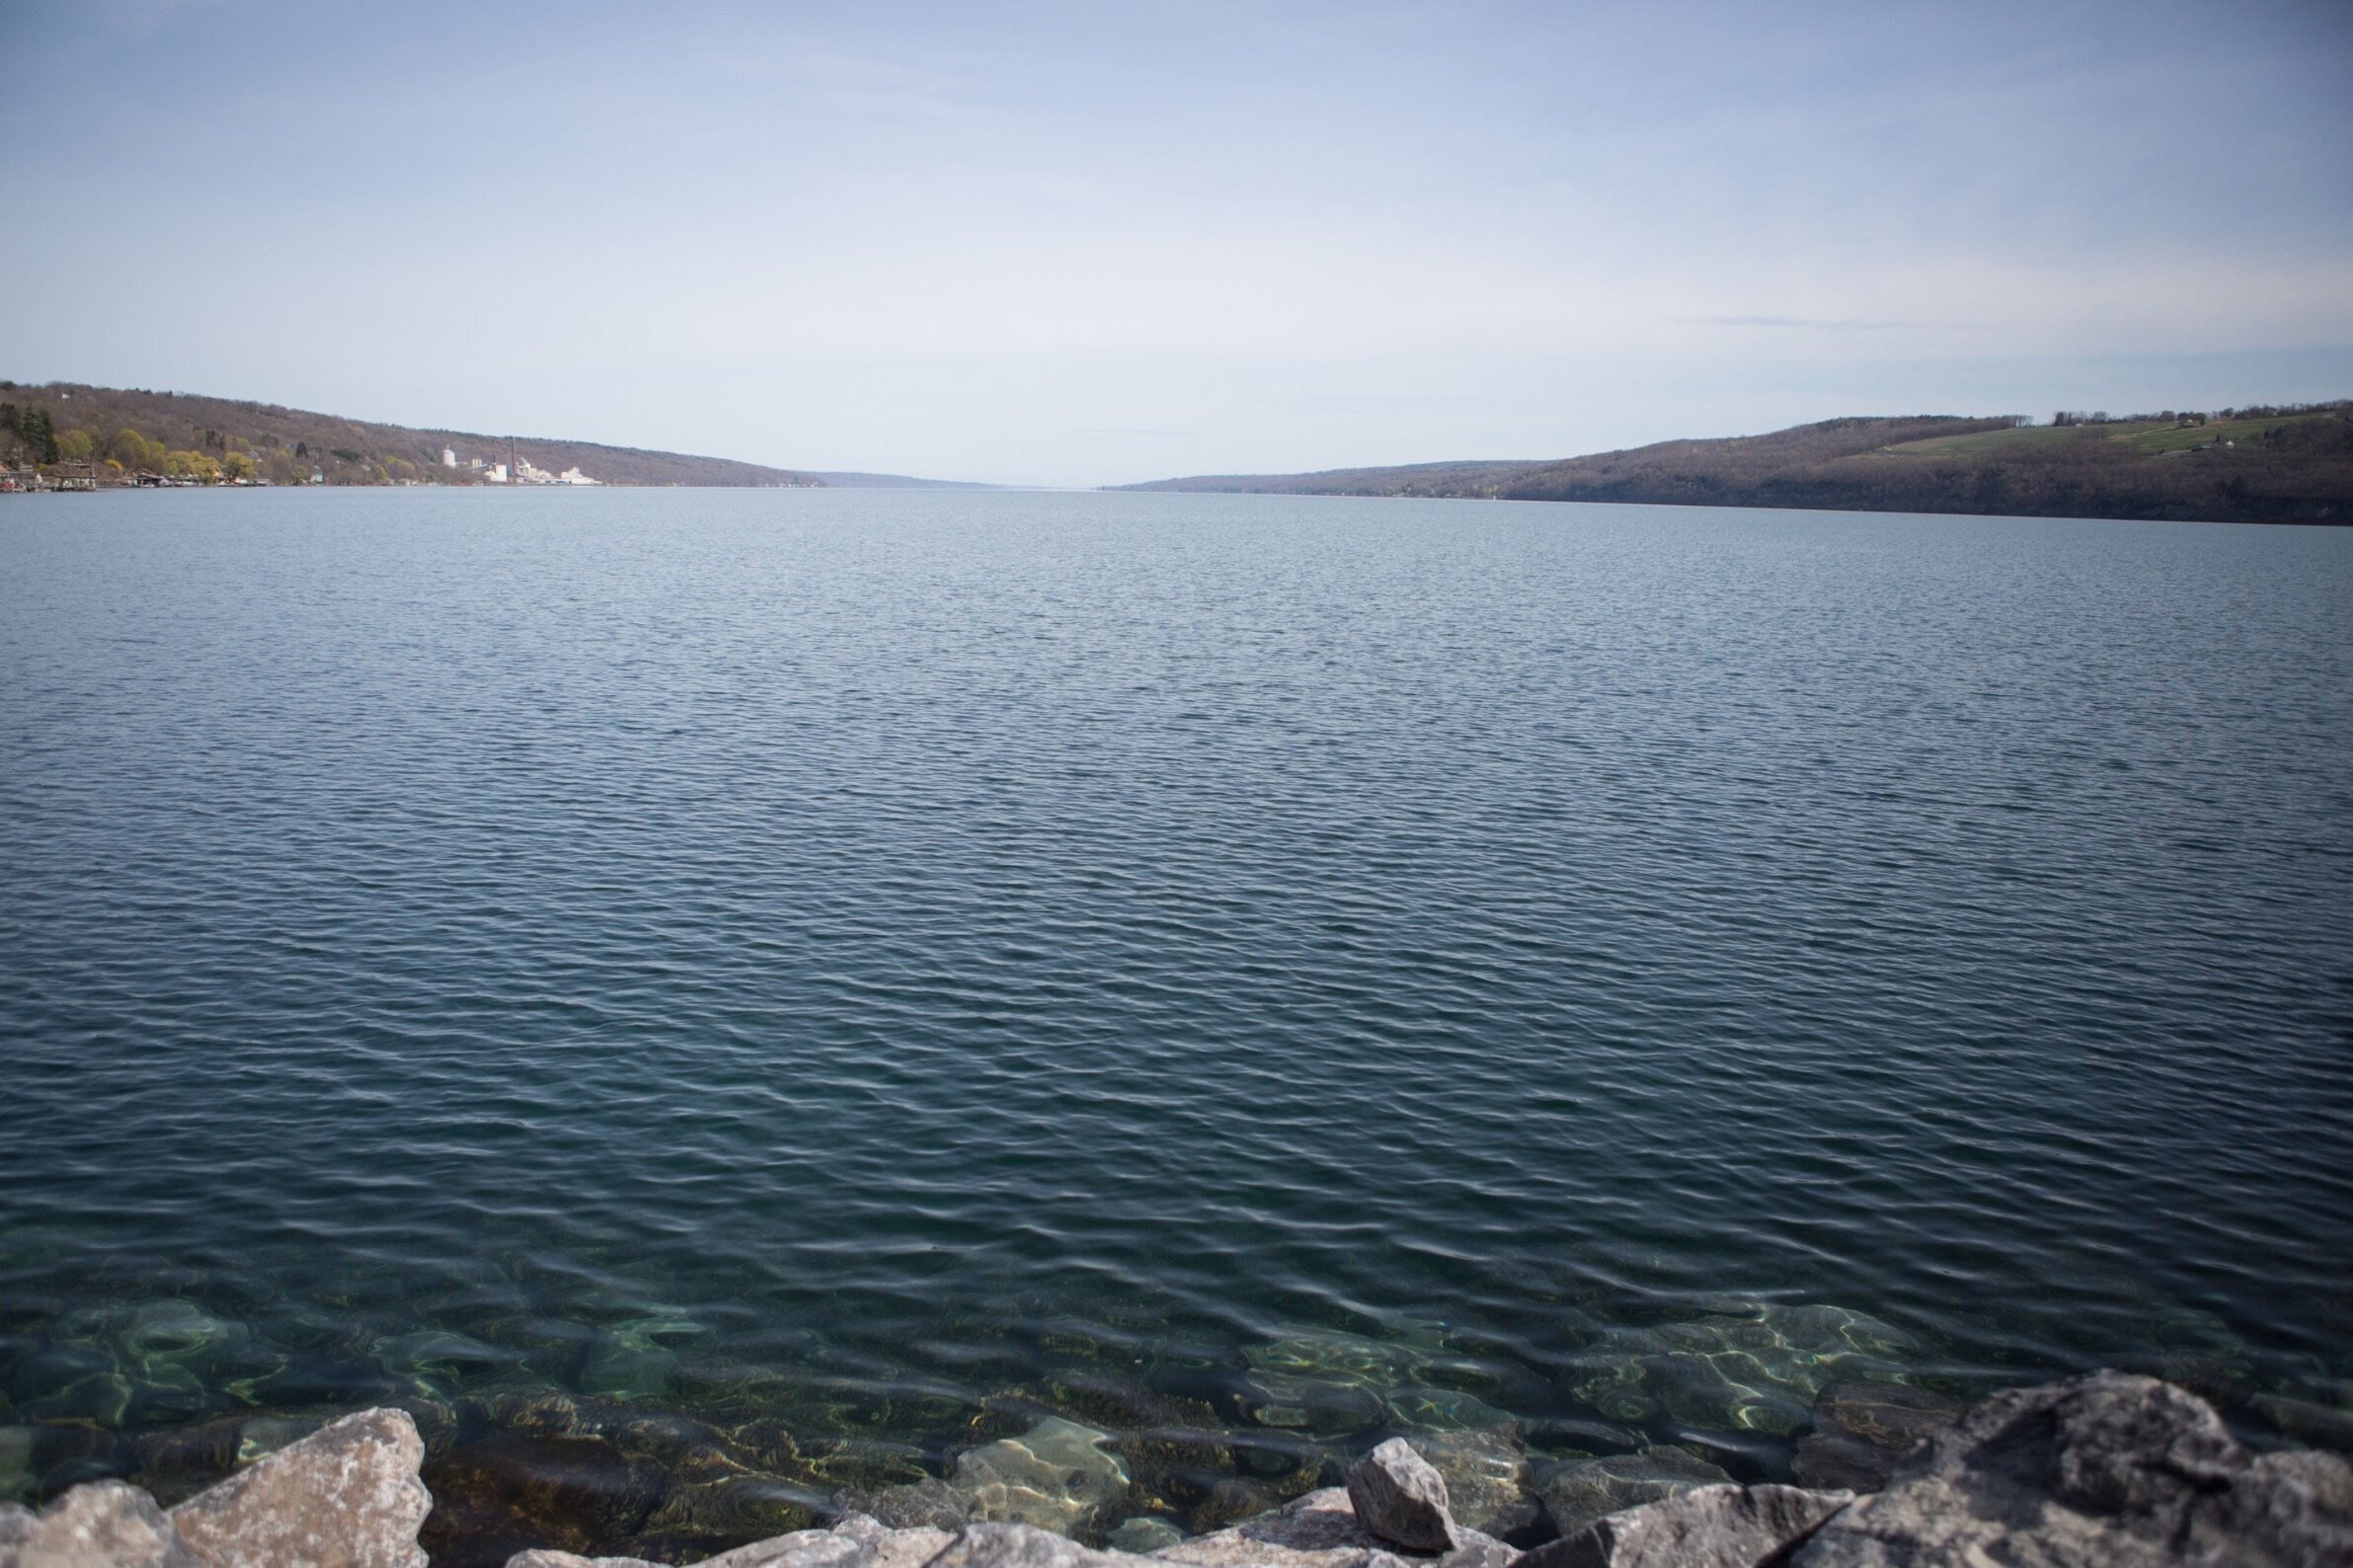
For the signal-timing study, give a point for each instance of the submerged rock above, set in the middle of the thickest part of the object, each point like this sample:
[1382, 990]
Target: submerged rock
[1712, 1527]
[102, 1524]
[15, 1461]
[1402, 1499]
[1443, 1410]
[2105, 1471]
[1143, 1535]
[1059, 1475]
[1359, 1360]
[1577, 1492]
[712, 1499]
[1310, 1405]
[1332, 1383]
[2307, 1419]
[1756, 1371]
[347, 1496]
[930, 1503]
[1863, 1430]
[263, 1436]
[513, 1491]
[1486, 1477]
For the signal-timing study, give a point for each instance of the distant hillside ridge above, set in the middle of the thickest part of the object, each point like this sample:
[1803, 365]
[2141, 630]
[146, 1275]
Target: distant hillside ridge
[2291, 463]
[123, 433]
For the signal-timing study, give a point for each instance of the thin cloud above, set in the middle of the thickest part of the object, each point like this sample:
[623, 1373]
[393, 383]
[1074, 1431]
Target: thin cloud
[1815, 323]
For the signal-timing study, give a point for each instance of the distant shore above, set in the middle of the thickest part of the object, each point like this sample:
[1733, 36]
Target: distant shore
[2290, 463]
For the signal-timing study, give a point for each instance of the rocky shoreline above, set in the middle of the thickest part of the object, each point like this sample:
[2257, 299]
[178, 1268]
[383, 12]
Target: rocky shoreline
[2105, 1469]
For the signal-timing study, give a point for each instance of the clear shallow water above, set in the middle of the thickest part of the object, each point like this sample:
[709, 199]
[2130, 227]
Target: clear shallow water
[842, 975]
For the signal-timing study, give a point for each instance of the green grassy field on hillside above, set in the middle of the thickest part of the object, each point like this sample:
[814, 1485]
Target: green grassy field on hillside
[2141, 435]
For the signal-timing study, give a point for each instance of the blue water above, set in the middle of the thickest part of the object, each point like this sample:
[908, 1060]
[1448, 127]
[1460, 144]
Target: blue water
[877, 967]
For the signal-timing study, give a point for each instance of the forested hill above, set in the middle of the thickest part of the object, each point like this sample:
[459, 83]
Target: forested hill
[124, 432]
[2271, 464]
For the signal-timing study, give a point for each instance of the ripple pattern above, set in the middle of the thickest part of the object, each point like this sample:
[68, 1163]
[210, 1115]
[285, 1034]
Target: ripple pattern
[889, 965]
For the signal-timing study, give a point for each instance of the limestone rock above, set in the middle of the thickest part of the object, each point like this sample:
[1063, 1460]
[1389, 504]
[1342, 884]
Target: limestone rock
[887, 1548]
[1402, 1499]
[1863, 1430]
[989, 1546]
[854, 1541]
[101, 1524]
[1318, 1531]
[347, 1496]
[2104, 1471]
[910, 1549]
[1709, 1526]
[1486, 1474]
[800, 1548]
[1479, 1551]
[1059, 1475]
[1321, 1531]
[1579, 1491]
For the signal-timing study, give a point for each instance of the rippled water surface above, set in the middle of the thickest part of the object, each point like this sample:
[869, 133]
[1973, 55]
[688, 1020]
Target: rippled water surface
[820, 981]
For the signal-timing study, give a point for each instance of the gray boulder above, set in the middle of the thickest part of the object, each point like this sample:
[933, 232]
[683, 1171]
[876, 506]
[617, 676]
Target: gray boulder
[103, 1525]
[800, 1548]
[1710, 1527]
[1402, 1499]
[1318, 1531]
[1863, 1430]
[854, 1541]
[887, 1548]
[2105, 1471]
[347, 1496]
[1479, 1551]
[1021, 1546]
[1577, 1492]
[1321, 1531]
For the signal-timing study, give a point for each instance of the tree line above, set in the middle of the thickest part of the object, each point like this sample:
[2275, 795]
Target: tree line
[131, 451]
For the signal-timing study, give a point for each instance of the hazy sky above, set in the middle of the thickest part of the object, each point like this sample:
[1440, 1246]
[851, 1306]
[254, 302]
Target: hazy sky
[1108, 240]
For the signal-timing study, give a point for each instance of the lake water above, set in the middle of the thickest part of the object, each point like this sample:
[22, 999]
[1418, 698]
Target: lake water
[822, 979]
